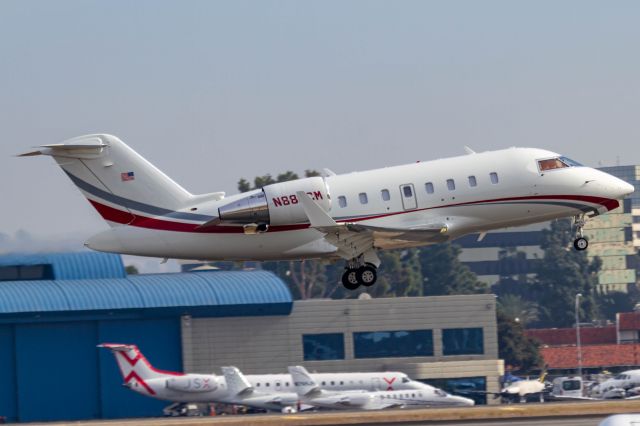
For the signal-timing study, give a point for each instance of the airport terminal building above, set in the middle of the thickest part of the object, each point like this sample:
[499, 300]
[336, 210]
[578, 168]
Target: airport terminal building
[55, 309]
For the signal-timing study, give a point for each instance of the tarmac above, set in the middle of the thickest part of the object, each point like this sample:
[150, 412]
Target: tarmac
[563, 413]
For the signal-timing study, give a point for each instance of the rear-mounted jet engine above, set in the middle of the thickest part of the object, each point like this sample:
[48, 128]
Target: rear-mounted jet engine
[275, 204]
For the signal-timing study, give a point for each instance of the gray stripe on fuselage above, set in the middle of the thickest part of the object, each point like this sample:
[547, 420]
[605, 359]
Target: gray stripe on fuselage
[135, 205]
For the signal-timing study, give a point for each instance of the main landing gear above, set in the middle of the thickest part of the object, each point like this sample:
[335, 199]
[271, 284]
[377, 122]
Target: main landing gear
[354, 276]
[580, 243]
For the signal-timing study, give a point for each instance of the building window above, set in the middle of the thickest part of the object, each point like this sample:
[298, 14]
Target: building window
[26, 272]
[342, 201]
[494, 177]
[462, 341]
[363, 198]
[385, 195]
[472, 181]
[382, 344]
[429, 187]
[469, 387]
[451, 185]
[319, 347]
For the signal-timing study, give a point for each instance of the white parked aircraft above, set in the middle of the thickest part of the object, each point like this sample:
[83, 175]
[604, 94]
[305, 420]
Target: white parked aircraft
[623, 385]
[313, 394]
[268, 391]
[522, 389]
[346, 216]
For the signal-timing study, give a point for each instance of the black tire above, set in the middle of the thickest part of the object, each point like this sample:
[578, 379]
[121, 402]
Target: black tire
[367, 275]
[350, 279]
[580, 244]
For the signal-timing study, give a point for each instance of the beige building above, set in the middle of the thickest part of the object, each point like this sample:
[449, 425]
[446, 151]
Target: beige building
[450, 341]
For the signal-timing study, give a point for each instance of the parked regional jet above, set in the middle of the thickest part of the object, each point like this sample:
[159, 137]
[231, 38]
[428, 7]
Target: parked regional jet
[140, 376]
[313, 394]
[347, 216]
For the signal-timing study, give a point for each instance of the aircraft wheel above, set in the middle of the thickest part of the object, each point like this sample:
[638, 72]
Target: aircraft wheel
[367, 275]
[580, 244]
[350, 279]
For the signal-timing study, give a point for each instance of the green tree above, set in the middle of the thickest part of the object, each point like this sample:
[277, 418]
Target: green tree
[561, 274]
[287, 176]
[444, 273]
[131, 270]
[244, 185]
[514, 347]
[518, 308]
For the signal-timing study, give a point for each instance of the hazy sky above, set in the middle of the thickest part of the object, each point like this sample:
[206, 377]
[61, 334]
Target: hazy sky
[213, 91]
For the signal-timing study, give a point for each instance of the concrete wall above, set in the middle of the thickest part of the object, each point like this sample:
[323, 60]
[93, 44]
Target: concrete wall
[270, 344]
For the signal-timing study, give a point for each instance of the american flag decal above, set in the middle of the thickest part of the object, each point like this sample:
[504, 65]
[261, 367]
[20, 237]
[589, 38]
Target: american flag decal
[126, 176]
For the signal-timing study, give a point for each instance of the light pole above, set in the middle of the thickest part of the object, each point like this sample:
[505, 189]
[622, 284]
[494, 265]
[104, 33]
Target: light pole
[578, 296]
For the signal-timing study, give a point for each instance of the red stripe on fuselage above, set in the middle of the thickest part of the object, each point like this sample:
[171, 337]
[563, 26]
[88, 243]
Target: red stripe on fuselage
[118, 216]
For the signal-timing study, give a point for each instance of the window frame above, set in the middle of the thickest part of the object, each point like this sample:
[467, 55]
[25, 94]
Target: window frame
[429, 188]
[342, 201]
[495, 175]
[451, 184]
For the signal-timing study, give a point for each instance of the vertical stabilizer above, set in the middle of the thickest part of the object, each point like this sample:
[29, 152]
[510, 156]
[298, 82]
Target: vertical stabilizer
[116, 180]
[236, 382]
[304, 383]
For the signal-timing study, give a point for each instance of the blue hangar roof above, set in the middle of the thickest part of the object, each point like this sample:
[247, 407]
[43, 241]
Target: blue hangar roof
[217, 293]
[70, 266]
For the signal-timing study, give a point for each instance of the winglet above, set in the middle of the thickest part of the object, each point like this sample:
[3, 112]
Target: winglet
[303, 381]
[317, 216]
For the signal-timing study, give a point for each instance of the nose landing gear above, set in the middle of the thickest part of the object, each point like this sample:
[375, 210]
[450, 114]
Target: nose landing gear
[580, 243]
[356, 275]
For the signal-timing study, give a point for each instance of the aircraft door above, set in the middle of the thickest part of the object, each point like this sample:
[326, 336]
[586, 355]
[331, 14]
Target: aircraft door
[408, 195]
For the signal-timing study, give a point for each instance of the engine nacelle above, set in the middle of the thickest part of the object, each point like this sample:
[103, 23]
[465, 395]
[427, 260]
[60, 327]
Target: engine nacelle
[192, 383]
[276, 204]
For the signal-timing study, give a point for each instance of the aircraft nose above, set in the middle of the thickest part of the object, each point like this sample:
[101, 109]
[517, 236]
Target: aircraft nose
[626, 188]
[461, 401]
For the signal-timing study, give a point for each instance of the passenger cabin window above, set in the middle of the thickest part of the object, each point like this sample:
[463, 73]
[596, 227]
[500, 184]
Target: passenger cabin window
[363, 198]
[451, 185]
[407, 191]
[385, 195]
[472, 181]
[429, 187]
[342, 201]
[494, 177]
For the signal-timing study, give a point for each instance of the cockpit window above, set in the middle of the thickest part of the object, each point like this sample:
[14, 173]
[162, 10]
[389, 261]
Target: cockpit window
[557, 163]
[551, 164]
[405, 380]
[570, 162]
[440, 392]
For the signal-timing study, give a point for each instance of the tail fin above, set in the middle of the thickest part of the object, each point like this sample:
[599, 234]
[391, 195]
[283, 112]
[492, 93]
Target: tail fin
[132, 363]
[116, 180]
[304, 383]
[236, 382]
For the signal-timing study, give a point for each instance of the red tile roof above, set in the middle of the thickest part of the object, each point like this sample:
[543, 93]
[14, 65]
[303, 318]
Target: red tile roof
[567, 336]
[627, 355]
[629, 321]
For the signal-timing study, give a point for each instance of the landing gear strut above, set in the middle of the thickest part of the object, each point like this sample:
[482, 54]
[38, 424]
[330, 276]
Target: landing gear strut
[356, 275]
[580, 243]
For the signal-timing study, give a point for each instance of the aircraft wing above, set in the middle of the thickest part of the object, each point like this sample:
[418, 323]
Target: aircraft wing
[353, 239]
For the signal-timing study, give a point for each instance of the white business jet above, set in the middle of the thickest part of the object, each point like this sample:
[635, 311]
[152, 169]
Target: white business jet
[347, 216]
[267, 391]
[623, 385]
[311, 393]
